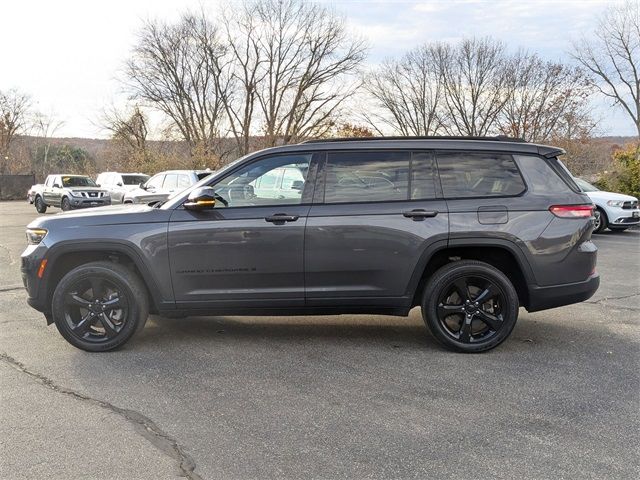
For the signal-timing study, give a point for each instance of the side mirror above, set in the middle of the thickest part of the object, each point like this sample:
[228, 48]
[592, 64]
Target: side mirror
[297, 185]
[142, 186]
[56, 185]
[203, 198]
[118, 184]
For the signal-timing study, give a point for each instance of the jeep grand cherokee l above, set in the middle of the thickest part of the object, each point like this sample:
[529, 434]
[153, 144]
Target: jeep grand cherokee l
[468, 229]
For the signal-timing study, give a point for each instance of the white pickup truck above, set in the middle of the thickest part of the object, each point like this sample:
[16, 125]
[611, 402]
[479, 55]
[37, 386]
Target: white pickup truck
[67, 192]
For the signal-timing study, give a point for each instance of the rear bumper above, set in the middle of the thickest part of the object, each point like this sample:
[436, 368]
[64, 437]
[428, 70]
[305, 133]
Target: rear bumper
[543, 298]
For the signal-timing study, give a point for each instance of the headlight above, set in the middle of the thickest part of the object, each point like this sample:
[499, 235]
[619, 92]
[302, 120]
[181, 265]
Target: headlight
[615, 203]
[75, 194]
[35, 235]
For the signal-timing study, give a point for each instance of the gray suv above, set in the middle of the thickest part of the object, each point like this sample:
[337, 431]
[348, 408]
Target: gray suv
[468, 229]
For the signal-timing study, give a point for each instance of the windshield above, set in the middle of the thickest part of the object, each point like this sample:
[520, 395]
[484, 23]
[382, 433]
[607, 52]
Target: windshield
[585, 186]
[134, 179]
[78, 182]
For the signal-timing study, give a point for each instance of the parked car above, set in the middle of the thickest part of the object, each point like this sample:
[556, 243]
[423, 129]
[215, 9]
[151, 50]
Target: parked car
[614, 211]
[159, 187]
[468, 229]
[68, 192]
[118, 184]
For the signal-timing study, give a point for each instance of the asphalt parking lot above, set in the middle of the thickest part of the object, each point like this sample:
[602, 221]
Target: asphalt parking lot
[324, 397]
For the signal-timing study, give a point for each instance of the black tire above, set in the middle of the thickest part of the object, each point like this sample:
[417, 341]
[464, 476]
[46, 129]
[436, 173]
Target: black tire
[93, 324]
[65, 204]
[456, 320]
[41, 207]
[601, 221]
[618, 229]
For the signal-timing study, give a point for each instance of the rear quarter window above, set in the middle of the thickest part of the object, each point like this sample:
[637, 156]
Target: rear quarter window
[468, 175]
[540, 177]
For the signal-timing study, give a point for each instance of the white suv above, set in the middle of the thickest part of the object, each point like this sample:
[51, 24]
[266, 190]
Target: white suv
[613, 210]
[120, 184]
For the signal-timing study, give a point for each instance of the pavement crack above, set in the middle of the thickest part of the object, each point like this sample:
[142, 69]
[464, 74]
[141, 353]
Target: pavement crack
[11, 288]
[622, 297]
[142, 424]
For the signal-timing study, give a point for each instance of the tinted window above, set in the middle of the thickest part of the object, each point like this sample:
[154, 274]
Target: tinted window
[367, 177]
[156, 182]
[134, 179]
[423, 178]
[540, 177]
[259, 183]
[479, 175]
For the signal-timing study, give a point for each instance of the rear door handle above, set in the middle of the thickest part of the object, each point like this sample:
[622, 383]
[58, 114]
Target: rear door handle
[281, 218]
[420, 213]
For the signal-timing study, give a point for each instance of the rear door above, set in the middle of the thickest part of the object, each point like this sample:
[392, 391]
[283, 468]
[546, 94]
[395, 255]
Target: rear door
[376, 216]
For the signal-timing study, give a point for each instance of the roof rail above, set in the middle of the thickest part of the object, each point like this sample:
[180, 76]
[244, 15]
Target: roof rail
[497, 138]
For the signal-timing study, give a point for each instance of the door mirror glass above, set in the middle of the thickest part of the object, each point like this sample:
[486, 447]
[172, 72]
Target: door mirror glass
[203, 198]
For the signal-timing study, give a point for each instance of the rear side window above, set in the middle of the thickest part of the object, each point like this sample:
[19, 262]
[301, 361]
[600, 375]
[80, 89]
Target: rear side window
[367, 177]
[184, 181]
[540, 177]
[465, 175]
[171, 181]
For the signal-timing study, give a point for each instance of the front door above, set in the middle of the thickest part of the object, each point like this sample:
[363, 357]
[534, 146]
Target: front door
[249, 252]
[379, 216]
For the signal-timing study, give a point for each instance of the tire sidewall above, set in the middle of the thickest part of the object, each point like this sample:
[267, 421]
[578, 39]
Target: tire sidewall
[65, 205]
[603, 221]
[136, 315]
[40, 206]
[443, 277]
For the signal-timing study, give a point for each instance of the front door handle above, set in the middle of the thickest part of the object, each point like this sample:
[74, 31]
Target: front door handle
[420, 213]
[280, 218]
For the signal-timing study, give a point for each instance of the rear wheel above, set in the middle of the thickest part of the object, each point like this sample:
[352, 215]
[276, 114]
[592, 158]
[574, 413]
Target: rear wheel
[65, 205]
[41, 207]
[600, 221]
[99, 306]
[470, 306]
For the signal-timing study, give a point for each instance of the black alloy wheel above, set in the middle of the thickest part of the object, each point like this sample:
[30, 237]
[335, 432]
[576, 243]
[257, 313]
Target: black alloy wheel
[470, 306]
[98, 306]
[95, 309]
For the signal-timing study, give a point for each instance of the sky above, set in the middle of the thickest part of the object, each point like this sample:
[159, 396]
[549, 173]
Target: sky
[68, 55]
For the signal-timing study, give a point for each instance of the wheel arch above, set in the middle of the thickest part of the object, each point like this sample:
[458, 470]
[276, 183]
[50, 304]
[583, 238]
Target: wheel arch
[501, 254]
[69, 255]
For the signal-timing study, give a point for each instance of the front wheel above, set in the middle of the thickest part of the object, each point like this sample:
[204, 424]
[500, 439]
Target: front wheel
[41, 207]
[65, 205]
[470, 306]
[99, 306]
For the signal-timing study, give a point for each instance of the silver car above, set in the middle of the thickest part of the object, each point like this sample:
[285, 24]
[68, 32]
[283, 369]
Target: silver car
[119, 184]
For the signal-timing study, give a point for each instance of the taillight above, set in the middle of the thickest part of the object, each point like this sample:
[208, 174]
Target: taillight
[572, 211]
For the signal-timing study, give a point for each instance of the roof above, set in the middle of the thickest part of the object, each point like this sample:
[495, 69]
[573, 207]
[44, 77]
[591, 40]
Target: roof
[498, 143]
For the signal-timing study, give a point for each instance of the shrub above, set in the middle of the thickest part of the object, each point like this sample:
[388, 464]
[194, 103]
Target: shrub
[625, 176]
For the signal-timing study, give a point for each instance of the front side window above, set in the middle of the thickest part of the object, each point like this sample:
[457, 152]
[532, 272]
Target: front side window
[367, 177]
[468, 175]
[260, 183]
[170, 182]
[183, 181]
[156, 182]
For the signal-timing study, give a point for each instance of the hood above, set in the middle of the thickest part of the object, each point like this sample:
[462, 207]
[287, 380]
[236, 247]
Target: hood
[606, 196]
[111, 215]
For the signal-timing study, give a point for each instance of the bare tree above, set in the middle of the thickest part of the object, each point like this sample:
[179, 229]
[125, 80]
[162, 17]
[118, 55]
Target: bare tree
[173, 69]
[546, 100]
[14, 108]
[612, 56]
[45, 126]
[408, 93]
[474, 79]
[308, 57]
[130, 128]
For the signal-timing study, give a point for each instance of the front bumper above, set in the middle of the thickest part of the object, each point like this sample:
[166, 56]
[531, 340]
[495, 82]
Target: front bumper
[36, 291]
[621, 217]
[543, 298]
[82, 202]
